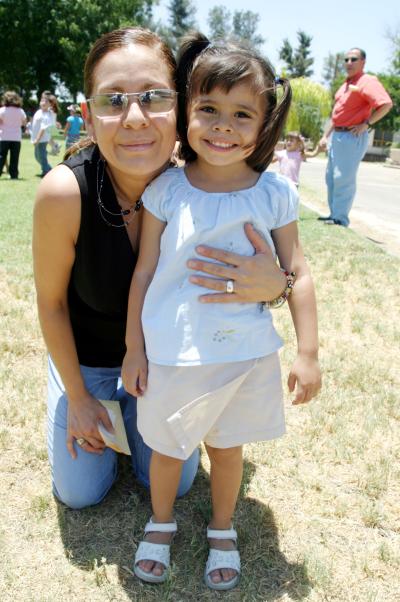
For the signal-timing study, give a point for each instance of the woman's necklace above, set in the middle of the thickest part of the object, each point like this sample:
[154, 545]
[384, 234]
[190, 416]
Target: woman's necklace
[123, 213]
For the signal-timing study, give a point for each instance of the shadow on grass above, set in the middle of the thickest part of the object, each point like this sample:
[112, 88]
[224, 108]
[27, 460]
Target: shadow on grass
[108, 534]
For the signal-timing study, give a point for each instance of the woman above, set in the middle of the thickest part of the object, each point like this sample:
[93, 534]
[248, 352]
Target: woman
[86, 232]
[12, 118]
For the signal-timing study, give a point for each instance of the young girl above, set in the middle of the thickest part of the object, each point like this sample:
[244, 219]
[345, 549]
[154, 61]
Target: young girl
[213, 371]
[55, 147]
[292, 156]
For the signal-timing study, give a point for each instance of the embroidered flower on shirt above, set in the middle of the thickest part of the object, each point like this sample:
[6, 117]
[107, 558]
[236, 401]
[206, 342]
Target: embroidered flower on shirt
[223, 335]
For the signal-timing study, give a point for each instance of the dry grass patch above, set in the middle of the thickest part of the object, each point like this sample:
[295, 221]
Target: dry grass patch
[318, 516]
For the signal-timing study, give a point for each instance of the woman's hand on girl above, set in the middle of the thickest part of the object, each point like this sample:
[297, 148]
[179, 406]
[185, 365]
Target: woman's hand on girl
[306, 374]
[83, 419]
[134, 372]
[255, 278]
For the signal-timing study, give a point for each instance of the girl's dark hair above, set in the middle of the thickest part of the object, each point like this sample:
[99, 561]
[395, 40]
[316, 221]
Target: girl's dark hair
[119, 38]
[300, 140]
[53, 102]
[203, 66]
[12, 99]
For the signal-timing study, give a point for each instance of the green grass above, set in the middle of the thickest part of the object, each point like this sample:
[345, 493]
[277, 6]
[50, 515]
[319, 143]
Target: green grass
[318, 517]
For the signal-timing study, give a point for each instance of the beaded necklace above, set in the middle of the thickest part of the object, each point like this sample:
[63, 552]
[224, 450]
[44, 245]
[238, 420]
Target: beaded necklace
[133, 209]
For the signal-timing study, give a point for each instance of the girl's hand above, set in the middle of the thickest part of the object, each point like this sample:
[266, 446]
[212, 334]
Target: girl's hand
[307, 374]
[134, 372]
[84, 416]
[255, 278]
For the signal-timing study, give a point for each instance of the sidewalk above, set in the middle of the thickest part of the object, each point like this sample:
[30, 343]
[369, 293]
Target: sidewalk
[376, 210]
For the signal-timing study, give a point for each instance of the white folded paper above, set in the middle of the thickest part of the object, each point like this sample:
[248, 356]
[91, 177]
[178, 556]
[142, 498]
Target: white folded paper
[117, 440]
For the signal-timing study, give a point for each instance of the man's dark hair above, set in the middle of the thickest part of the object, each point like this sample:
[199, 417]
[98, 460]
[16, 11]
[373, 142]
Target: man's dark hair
[363, 54]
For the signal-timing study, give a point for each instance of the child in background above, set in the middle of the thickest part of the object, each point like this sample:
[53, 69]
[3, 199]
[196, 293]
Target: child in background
[212, 372]
[291, 158]
[55, 147]
[73, 126]
[40, 134]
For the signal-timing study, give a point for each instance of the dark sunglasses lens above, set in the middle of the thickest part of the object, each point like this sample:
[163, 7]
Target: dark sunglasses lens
[352, 59]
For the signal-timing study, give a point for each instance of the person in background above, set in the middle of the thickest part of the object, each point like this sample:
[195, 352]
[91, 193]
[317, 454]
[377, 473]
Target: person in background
[12, 119]
[40, 134]
[55, 147]
[73, 126]
[292, 156]
[359, 104]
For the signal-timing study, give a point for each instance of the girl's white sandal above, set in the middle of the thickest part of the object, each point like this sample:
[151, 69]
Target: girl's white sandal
[222, 559]
[156, 552]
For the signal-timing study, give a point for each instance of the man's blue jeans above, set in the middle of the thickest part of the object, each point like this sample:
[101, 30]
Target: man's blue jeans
[41, 157]
[344, 156]
[87, 479]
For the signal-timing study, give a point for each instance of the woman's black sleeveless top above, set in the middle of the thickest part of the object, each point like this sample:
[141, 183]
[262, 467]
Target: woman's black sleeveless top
[101, 275]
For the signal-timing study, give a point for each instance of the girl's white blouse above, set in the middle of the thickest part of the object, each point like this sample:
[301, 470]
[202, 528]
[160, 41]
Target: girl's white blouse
[178, 329]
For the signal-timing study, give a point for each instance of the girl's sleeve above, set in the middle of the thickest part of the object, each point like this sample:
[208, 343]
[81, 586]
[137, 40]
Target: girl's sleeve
[287, 208]
[155, 196]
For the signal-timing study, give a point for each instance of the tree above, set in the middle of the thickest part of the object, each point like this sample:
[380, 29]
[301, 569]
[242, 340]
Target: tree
[310, 108]
[391, 121]
[181, 18]
[44, 42]
[219, 22]
[334, 72]
[394, 37]
[244, 28]
[241, 26]
[298, 61]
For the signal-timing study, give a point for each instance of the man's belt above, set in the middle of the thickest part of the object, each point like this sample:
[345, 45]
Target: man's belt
[343, 129]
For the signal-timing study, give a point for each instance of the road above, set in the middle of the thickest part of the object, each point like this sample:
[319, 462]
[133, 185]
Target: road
[376, 208]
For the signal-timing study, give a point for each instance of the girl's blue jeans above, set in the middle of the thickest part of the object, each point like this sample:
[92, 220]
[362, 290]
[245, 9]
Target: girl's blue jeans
[41, 157]
[87, 479]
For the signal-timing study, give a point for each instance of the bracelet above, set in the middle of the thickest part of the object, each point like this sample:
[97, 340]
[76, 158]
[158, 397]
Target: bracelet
[290, 280]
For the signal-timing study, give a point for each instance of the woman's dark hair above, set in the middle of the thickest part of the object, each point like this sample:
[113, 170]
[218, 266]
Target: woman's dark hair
[203, 66]
[119, 38]
[12, 99]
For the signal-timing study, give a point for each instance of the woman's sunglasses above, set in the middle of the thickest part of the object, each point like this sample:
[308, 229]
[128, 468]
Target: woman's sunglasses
[115, 103]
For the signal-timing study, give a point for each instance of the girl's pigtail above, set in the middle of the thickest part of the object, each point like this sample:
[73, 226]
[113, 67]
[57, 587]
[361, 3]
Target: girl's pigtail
[192, 45]
[275, 122]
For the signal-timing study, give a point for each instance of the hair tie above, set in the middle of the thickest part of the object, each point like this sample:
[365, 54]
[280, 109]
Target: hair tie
[279, 81]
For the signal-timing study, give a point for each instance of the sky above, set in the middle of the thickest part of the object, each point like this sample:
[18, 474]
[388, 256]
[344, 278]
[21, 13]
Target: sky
[334, 26]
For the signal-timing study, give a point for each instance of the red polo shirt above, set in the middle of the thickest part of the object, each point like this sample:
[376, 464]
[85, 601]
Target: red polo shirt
[356, 98]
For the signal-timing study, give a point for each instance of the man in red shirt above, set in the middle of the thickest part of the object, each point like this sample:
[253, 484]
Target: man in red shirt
[359, 103]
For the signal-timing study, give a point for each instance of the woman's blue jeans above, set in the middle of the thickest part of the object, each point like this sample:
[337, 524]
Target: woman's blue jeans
[87, 479]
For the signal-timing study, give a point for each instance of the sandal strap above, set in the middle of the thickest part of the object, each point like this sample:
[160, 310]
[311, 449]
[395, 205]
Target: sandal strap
[223, 559]
[221, 534]
[156, 552]
[160, 527]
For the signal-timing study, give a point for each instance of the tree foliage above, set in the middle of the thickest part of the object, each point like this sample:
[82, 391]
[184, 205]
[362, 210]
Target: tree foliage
[240, 26]
[311, 107]
[298, 60]
[181, 20]
[45, 42]
[334, 72]
[394, 37]
[391, 121]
